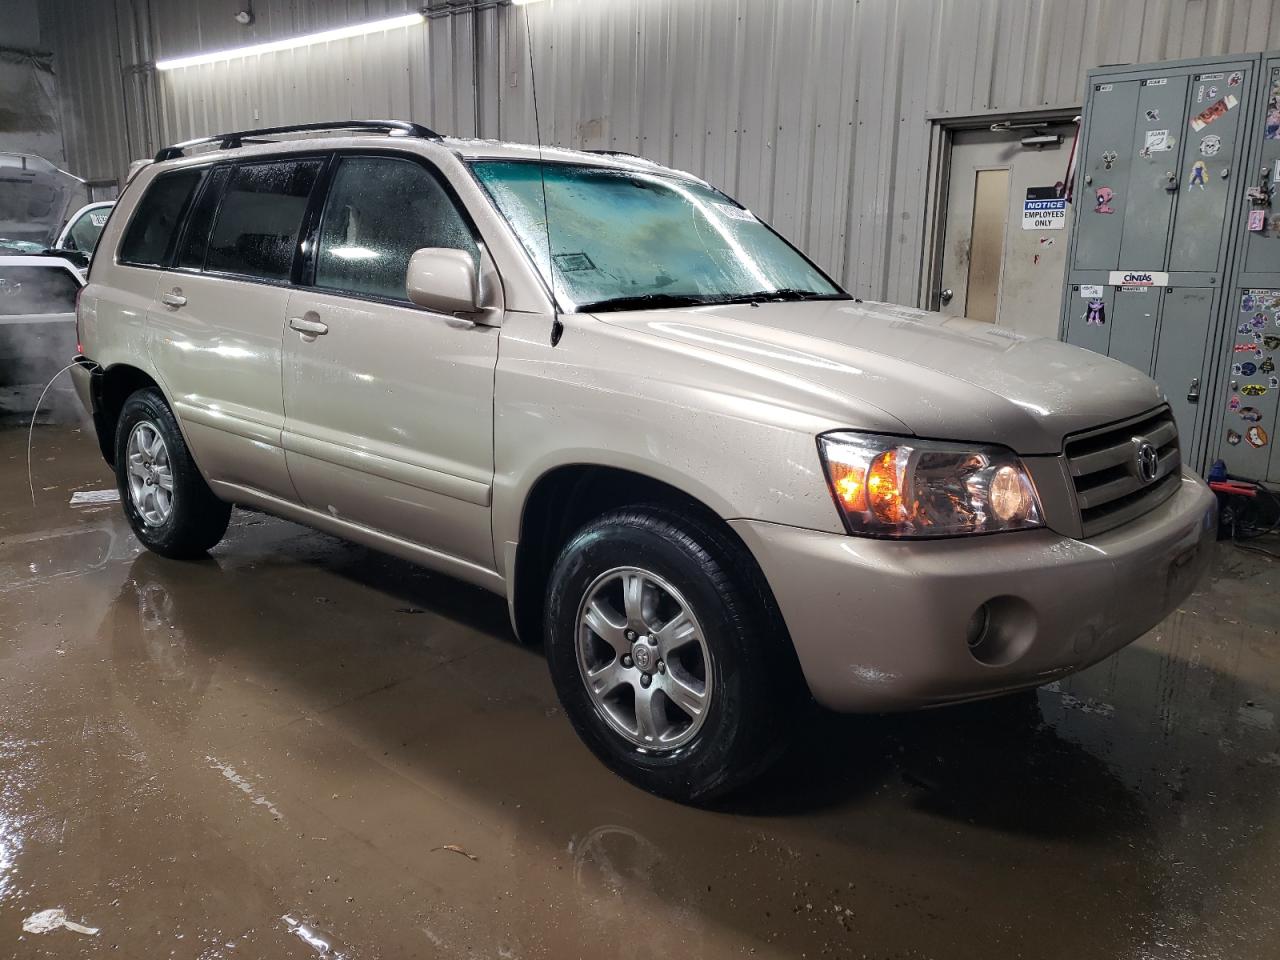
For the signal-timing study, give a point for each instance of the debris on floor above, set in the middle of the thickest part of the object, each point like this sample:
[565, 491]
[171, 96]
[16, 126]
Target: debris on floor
[454, 848]
[46, 921]
[84, 498]
[317, 940]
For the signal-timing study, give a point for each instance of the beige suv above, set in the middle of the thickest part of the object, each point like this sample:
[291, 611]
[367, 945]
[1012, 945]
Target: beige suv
[713, 482]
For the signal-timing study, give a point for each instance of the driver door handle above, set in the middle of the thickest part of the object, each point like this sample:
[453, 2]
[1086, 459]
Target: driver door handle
[173, 298]
[315, 328]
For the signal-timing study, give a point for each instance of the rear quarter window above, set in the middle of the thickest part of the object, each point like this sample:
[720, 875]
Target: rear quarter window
[26, 290]
[153, 231]
[256, 230]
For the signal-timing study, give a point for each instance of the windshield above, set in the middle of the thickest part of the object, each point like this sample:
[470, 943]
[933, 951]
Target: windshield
[623, 240]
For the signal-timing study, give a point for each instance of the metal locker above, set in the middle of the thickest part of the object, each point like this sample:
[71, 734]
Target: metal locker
[1105, 171]
[1133, 326]
[1180, 138]
[1209, 178]
[1153, 177]
[1250, 420]
[1262, 246]
[1088, 324]
[1251, 395]
[1186, 318]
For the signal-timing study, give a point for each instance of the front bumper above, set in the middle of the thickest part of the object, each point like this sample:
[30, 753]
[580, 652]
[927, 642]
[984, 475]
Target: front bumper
[881, 624]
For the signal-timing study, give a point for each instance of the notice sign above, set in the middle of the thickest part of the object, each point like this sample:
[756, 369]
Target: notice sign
[1044, 210]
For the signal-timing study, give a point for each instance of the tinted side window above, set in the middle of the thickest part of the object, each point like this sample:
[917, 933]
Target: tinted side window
[379, 211]
[196, 240]
[256, 229]
[154, 228]
[33, 290]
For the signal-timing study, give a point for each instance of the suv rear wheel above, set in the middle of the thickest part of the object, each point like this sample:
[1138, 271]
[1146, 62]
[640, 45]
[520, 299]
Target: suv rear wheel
[668, 655]
[169, 506]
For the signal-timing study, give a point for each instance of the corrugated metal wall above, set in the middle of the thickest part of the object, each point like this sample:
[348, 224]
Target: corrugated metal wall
[815, 113]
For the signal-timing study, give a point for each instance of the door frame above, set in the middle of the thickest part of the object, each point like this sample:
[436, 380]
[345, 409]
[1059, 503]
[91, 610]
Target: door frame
[942, 131]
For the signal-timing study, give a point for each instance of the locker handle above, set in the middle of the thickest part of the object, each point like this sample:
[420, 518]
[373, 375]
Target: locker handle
[1193, 392]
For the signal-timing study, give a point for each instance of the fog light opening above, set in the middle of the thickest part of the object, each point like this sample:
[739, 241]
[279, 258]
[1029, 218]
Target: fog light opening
[1000, 631]
[977, 630]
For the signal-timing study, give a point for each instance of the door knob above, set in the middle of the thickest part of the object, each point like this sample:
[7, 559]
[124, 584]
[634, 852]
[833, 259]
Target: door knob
[946, 295]
[1193, 391]
[309, 326]
[173, 298]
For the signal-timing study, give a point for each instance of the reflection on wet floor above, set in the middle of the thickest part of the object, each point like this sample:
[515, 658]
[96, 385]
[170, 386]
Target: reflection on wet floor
[302, 748]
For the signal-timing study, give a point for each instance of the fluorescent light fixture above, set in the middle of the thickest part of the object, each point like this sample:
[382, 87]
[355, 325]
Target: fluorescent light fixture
[325, 36]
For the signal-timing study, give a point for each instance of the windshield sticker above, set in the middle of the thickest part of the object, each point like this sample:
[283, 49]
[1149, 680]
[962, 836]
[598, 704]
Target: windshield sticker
[736, 213]
[573, 262]
[98, 219]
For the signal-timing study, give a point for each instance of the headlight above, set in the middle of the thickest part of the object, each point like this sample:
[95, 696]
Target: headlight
[897, 487]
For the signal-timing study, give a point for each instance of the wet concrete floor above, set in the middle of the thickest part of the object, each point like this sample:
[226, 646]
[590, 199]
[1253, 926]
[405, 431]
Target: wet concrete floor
[300, 747]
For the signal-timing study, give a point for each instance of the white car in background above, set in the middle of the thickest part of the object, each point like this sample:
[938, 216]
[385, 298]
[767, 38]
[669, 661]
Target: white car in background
[37, 314]
[79, 236]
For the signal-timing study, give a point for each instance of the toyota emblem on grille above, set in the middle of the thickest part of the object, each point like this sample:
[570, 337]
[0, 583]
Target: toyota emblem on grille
[1146, 459]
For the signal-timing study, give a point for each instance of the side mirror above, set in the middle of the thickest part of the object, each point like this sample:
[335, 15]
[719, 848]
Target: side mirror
[443, 280]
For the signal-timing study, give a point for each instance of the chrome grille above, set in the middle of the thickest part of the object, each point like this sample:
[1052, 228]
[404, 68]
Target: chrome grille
[1105, 471]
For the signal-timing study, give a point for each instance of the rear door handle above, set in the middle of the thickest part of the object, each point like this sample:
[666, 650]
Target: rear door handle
[173, 298]
[315, 328]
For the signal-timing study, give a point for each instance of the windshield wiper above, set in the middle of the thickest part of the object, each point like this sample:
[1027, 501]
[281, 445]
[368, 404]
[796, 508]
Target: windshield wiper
[786, 294]
[649, 301]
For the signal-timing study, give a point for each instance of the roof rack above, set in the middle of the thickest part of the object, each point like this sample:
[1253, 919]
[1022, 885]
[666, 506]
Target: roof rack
[621, 153]
[230, 141]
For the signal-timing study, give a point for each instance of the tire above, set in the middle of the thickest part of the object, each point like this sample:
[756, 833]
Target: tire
[189, 520]
[739, 656]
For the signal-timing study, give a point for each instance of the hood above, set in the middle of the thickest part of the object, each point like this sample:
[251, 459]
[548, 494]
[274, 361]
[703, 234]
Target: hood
[35, 197]
[945, 378]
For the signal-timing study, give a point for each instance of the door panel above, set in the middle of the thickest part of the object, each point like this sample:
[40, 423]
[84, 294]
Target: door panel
[1184, 336]
[1105, 168]
[1153, 177]
[220, 354]
[1208, 179]
[1133, 325]
[1250, 421]
[390, 420]
[1087, 326]
[1001, 266]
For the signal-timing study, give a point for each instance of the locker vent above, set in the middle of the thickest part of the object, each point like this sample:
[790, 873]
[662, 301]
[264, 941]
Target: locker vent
[1104, 469]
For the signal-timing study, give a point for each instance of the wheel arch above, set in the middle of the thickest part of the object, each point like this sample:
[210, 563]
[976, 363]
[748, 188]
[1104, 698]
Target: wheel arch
[566, 497]
[110, 388]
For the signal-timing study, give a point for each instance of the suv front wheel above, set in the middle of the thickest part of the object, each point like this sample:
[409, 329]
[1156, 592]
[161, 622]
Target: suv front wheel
[169, 506]
[667, 653]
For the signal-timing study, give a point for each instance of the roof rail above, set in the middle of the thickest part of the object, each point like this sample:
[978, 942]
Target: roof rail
[621, 153]
[230, 141]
